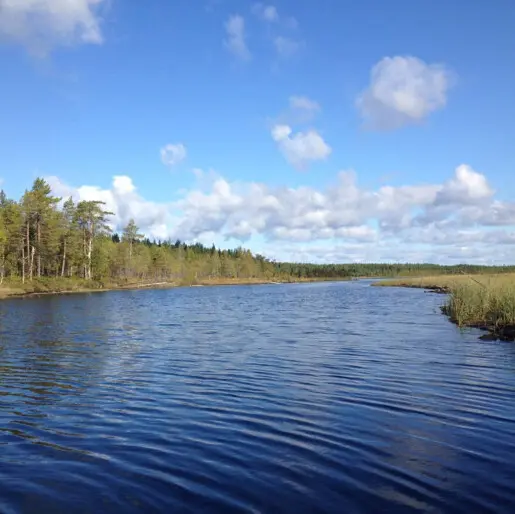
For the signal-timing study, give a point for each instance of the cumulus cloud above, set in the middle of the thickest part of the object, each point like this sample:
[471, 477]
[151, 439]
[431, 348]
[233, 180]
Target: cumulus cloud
[342, 222]
[266, 12]
[125, 202]
[173, 154]
[41, 25]
[403, 90]
[301, 148]
[467, 185]
[235, 41]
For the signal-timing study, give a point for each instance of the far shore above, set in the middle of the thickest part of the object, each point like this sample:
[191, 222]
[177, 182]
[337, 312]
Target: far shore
[62, 287]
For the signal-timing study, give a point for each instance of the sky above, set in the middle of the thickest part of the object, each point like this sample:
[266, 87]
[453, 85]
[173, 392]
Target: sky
[329, 131]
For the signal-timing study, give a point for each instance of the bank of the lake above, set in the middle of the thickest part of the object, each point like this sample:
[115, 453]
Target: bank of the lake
[57, 286]
[480, 301]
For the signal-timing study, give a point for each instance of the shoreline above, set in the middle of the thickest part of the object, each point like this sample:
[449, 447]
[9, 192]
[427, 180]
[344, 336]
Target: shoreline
[504, 332]
[494, 333]
[8, 291]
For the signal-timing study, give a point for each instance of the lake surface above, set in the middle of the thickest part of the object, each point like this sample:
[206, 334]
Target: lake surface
[333, 397]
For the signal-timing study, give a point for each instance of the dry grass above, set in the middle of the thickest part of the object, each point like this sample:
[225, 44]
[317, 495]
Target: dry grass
[490, 303]
[486, 301]
[437, 282]
[450, 282]
[43, 286]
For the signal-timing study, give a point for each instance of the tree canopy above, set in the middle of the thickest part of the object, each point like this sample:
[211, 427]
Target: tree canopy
[42, 236]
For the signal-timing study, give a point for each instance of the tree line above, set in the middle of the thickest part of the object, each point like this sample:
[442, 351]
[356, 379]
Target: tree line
[42, 236]
[376, 270]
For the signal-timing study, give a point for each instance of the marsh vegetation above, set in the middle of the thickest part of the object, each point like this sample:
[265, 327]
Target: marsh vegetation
[486, 301]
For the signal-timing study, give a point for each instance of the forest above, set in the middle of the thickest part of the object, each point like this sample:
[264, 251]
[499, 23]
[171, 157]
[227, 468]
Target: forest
[44, 237]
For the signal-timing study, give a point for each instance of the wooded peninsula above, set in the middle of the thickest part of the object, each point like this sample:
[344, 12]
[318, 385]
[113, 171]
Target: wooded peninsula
[53, 244]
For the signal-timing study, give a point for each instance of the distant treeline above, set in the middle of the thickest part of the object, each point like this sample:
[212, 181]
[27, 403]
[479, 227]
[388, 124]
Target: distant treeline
[354, 270]
[40, 239]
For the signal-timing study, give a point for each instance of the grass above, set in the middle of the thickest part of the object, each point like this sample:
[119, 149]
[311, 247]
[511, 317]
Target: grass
[47, 285]
[485, 301]
[437, 282]
[15, 287]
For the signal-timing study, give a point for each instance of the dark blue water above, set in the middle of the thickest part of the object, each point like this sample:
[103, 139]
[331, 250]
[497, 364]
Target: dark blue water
[281, 398]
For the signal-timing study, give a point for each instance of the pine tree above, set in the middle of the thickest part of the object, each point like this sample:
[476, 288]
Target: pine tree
[13, 237]
[43, 206]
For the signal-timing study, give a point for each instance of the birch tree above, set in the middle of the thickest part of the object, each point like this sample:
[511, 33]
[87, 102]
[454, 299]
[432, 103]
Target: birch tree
[92, 222]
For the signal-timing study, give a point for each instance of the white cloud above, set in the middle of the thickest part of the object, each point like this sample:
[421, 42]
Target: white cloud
[125, 202]
[342, 222]
[266, 12]
[173, 154]
[467, 185]
[236, 38]
[286, 46]
[402, 91]
[41, 25]
[302, 147]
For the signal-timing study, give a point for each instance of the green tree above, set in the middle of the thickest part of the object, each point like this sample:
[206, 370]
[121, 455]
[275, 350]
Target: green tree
[68, 236]
[91, 219]
[131, 235]
[12, 224]
[42, 205]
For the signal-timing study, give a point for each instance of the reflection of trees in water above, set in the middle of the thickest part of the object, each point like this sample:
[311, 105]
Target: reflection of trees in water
[55, 348]
[60, 358]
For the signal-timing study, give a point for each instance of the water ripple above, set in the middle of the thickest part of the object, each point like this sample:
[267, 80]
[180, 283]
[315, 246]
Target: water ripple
[295, 398]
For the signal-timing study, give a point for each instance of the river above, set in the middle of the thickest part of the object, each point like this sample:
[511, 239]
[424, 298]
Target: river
[324, 397]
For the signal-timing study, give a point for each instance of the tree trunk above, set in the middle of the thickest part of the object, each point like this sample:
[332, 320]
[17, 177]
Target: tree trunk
[85, 265]
[28, 250]
[38, 224]
[23, 263]
[130, 258]
[64, 258]
[90, 251]
[31, 269]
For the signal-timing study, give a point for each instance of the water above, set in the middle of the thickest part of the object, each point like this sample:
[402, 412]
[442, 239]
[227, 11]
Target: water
[332, 397]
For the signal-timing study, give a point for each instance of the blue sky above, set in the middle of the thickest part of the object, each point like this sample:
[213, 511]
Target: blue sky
[323, 131]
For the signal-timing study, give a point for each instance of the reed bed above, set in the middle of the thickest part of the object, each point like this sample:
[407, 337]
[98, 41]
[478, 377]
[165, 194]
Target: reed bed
[485, 301]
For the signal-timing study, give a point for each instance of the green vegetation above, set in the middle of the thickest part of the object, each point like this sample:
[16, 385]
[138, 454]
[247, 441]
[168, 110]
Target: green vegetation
[47, 248]
[442, 283]
[486, 301]
[363, 270]
[47, 245]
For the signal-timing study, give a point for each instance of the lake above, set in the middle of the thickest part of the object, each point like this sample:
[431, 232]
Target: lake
[323, 397]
